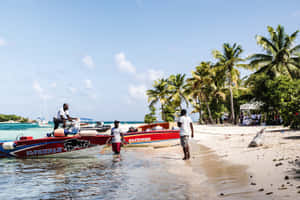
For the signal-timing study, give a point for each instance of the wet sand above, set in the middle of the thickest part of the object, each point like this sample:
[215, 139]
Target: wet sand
[207, 175]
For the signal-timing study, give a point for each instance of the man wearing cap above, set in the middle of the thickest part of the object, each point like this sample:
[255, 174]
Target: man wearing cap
[117, 137]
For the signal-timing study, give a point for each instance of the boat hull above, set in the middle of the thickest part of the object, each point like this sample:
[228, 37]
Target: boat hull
[153, 138]
[52, 146]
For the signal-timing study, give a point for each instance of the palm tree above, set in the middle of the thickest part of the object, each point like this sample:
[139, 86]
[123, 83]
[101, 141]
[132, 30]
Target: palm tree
[280, 57]
[159, 93]
[176, 87]
[203, 87]
[227, 64]
[195, 95]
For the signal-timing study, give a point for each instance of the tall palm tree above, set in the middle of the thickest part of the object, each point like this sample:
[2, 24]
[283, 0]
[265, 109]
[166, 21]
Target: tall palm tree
[159, 93]
[195, 95]
[176, 87]
[228, 61]
[280, 57]
[203, 86]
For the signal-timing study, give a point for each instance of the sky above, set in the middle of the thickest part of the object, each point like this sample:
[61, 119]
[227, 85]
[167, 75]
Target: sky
[100, 56]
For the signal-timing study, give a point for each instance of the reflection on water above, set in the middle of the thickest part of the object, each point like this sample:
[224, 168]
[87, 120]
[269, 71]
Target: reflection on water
[139, 174]
[101, 177]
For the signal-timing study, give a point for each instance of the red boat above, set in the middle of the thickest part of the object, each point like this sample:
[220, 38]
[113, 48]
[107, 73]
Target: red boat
[28, 147]
[152, 133]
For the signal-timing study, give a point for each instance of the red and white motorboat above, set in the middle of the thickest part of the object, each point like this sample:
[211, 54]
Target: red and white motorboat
[164, 133]
[27, 147]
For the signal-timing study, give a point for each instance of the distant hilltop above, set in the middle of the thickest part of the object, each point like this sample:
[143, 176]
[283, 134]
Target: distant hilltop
[13, 119]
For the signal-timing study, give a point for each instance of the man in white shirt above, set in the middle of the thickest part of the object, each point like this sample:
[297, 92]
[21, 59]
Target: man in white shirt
[186, 128]
[62, 116]
[117, 138]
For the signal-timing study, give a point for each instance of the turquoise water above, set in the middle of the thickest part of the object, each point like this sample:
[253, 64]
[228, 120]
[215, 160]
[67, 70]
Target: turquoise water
[139, 174]
[17, 126]
[10, 131]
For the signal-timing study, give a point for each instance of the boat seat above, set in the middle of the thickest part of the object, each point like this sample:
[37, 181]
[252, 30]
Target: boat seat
[60, 132]
[88, 133]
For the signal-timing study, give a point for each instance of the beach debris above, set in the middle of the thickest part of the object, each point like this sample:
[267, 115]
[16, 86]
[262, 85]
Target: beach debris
[258, 139]
[278, 164]
[298, 187]
[252, 183]
[282, 188]
[269, 193]
[221, 194]
[251, 176]
[286, 178]
[261, 190]
[299, 192]
[274, 160]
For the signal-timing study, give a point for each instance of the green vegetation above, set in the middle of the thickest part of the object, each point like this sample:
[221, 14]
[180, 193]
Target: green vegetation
[215, 89]
[150, 118]
[4, 118]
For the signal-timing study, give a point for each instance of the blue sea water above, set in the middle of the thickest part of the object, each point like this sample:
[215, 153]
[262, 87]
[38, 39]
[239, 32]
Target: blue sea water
[147, 173]
[10, 131]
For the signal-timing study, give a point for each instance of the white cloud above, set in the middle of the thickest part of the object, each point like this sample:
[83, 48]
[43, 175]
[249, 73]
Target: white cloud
[53, 85]
[88, 62]
[124, 64]
[72, 90]
[150, 76]
[92, 96]
[137, 92]
[37, 87]
[155, 74]
[2, 42]
[41, 92]
[88, 84]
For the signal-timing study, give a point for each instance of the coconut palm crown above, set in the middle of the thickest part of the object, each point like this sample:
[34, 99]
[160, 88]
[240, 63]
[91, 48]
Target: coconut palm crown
[280, 57]
[177, 89]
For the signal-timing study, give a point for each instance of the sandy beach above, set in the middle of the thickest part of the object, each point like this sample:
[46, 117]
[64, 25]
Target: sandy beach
[231, 170]
[270, 171]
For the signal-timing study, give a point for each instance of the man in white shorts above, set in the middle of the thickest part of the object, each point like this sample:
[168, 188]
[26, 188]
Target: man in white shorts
[186, 128]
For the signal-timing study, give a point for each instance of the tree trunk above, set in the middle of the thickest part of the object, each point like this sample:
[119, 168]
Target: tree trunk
[231, 101]
[209, 113]
[162, 113]
[200, 114]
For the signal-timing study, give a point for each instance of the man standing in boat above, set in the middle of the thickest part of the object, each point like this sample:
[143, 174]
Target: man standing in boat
[62, 116]
[186, 128]
[117, 138]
